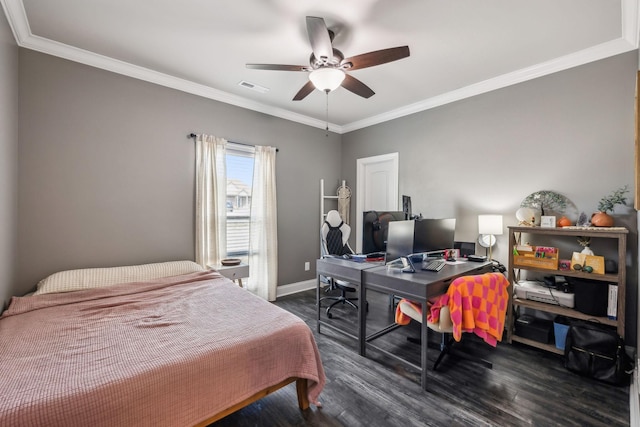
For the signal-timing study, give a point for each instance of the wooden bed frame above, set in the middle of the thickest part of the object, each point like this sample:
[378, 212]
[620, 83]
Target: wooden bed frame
[301, 389]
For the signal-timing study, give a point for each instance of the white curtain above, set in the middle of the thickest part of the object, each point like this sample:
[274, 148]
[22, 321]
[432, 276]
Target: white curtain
[263, 241]
[211, 191]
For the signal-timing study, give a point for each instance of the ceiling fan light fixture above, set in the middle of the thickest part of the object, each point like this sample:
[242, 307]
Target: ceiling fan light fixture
[326, 79]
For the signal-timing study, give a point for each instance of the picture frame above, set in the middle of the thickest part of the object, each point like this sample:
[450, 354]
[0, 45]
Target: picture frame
[594, 261]
[548, 221]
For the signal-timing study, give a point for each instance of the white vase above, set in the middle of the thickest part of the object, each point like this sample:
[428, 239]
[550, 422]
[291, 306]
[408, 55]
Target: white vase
[587, 251]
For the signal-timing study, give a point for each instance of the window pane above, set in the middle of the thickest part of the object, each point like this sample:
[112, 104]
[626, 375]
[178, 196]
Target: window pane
[239, 184]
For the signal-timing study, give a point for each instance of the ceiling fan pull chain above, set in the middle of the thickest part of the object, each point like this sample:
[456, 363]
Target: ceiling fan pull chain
[327, 114]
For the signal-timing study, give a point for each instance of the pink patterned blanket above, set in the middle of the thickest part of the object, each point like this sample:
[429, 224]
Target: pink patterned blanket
[479, 304]
[174, 351]
[476, 304]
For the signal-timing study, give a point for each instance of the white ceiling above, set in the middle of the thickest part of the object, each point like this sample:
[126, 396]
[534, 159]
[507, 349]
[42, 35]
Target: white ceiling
[459, 48]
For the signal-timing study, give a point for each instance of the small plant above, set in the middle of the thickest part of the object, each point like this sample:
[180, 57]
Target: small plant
[618, 197]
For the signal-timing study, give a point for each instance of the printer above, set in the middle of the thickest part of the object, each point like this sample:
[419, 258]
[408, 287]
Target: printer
[537, 291]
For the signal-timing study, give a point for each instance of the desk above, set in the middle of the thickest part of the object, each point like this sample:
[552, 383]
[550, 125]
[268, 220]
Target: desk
[349, 271]
[418, 287]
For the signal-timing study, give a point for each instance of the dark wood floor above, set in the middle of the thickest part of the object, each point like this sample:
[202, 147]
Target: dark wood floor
[525, 387]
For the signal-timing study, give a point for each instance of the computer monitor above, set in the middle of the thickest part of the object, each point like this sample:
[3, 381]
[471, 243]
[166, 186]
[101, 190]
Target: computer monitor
[434, 235]
[465, 248]
[399, 240]
[375, 228]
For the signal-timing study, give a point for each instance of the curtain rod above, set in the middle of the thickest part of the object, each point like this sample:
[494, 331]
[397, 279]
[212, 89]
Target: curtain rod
[193, 135]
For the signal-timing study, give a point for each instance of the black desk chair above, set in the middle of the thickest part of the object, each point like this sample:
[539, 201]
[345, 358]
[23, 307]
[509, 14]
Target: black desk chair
[334, 235]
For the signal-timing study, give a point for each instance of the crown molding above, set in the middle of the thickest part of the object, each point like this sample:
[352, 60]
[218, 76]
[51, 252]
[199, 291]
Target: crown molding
[628, 41]
[16, 15]
[17, 18]
[586, 56]
[71, 53]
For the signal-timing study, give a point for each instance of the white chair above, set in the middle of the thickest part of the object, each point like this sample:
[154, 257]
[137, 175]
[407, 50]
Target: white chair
[334, 237]
[444, 324]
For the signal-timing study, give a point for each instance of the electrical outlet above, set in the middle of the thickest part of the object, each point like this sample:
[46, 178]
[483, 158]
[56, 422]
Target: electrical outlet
[307, 266]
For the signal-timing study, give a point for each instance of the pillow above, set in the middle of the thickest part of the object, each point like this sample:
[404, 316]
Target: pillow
[88, 278]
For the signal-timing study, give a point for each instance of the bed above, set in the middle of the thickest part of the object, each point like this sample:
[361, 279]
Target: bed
[157, 344]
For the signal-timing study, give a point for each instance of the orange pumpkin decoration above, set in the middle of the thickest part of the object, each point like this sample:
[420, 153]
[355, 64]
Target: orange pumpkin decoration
[564, 222]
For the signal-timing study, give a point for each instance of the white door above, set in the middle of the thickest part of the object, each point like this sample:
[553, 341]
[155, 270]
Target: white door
[376, 188]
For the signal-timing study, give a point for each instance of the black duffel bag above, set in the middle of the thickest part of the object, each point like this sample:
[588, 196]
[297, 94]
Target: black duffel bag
[597, 352]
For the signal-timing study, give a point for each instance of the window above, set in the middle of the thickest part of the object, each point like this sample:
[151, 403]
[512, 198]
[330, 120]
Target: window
[246, 222]
[239, 163]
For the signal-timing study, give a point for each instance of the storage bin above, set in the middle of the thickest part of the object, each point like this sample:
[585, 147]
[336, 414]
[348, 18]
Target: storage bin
[529, 256]
[560, 329]
[534, 329]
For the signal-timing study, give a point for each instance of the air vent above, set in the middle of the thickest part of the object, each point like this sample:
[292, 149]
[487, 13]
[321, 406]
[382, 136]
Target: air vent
[252, 86]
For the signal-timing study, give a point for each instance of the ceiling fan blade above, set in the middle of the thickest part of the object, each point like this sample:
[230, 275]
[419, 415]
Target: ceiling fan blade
[319, 38]
[375, 58]
[356, 86]
[277, 67]
[306, 90]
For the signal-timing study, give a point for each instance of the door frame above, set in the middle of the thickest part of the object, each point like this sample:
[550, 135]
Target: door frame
[392, 159]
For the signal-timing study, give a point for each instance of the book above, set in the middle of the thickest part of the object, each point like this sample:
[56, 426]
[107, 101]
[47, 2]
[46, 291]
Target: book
[612, 306]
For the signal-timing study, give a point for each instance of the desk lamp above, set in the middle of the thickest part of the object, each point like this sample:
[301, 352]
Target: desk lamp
[489, 226]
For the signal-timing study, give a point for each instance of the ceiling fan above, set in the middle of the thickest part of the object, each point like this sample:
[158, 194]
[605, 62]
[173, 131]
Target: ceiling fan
[327, 65]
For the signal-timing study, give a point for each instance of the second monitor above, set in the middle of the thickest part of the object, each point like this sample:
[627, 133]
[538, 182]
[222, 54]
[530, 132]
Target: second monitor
[434, 235]
[419, 236]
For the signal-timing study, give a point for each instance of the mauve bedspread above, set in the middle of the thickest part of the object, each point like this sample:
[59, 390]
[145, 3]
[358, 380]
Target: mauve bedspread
[171, 352]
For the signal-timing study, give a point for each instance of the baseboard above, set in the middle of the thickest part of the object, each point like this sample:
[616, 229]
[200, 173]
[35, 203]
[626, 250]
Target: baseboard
[634, 397]
[294, 288]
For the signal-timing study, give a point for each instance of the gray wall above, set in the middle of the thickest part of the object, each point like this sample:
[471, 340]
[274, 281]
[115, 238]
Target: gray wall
[571, 132]
[8, 159]
[106, 172]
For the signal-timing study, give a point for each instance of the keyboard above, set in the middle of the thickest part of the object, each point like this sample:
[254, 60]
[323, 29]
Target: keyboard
[434, 265]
